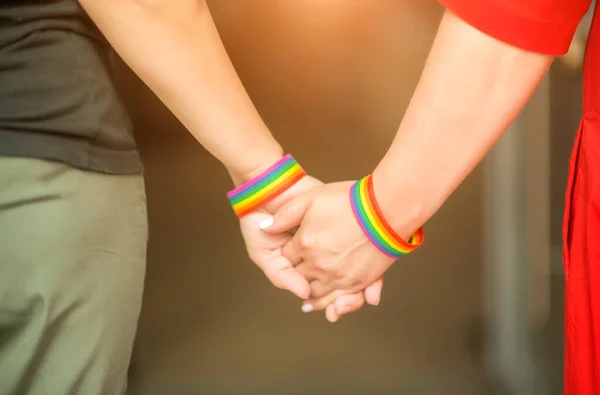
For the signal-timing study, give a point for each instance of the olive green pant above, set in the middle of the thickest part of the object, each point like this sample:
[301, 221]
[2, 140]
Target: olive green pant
[72, 264]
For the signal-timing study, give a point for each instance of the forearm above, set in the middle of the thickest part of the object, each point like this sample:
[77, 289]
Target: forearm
[472, 88]
[174, 47]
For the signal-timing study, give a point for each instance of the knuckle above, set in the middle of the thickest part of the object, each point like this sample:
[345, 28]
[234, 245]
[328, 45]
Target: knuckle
[305, 240]
[287, 211]
[326, 270]
[356, 282]
[348, 282]
[320, 266]
[339, 274]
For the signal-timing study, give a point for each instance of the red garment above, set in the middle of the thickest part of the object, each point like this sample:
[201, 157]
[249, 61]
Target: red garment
[548, 26]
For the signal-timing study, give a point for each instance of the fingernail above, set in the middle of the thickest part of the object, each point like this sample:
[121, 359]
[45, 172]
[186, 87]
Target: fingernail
[265, 223]
[307, 308]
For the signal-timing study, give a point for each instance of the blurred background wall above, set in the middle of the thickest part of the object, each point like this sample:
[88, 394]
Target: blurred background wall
[332, 80]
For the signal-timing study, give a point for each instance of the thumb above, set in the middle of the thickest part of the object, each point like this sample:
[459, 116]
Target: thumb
[373, 292]
[285, 276]
[288, 216]
[290, 279]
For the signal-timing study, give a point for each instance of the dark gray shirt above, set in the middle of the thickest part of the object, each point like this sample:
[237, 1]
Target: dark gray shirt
[57, 96]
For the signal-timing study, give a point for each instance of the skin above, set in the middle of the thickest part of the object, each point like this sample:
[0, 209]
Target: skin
[472, 88]
[174, 47]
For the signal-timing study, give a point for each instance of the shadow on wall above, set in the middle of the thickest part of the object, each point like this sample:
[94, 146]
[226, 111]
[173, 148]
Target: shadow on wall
[332, 80]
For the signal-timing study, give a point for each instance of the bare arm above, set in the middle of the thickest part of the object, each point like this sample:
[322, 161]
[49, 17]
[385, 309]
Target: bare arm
[473, 86]
[174, 47]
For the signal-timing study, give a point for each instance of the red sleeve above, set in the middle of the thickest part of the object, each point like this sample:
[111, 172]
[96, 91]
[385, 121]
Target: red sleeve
[544, 26]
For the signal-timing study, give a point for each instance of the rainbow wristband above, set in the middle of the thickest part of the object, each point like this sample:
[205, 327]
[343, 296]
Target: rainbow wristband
[266, 186]
[374, 225]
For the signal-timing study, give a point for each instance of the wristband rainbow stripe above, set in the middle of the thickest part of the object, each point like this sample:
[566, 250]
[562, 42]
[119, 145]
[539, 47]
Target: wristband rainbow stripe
[266, 186]
[374, 225]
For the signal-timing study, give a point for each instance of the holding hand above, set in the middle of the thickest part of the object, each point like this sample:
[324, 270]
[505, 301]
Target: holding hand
[331, 250]
[265, 249]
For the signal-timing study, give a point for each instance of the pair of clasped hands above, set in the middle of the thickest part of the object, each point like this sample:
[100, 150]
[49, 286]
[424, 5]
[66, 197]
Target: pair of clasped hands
[307, 241]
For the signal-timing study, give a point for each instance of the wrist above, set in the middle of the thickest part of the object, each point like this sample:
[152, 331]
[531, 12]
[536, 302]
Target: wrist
[392, 241]
[255, 163]
[269, 184]
[402, 206]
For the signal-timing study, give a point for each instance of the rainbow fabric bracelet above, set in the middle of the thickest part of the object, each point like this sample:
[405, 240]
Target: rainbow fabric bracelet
[374, 225]
[266, 186]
